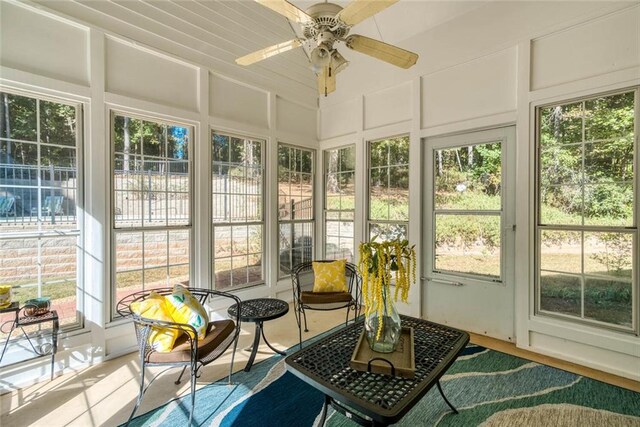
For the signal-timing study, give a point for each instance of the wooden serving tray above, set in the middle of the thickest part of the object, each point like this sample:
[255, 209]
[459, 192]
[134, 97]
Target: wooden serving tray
[403, 359]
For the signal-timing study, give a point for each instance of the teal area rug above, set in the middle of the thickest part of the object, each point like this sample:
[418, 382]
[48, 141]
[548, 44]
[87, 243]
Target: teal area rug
[487, 387]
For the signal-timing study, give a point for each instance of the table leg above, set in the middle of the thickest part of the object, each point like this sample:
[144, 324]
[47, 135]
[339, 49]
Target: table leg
[254, 349]
[282, 353]
[325, 406]
[4, 348]
[54, 344]
[445, 398]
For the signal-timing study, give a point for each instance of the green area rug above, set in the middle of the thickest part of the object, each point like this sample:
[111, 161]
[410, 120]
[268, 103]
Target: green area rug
[488, 387]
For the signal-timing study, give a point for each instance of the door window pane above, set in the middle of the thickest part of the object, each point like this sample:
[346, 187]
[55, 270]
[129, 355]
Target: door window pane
[468, 210]
[468, 244]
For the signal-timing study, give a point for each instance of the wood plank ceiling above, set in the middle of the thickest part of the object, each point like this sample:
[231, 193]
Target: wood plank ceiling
[214, 33]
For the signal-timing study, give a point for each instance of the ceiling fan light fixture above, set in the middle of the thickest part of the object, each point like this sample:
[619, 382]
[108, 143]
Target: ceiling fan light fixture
[338, 63]
[321, 56]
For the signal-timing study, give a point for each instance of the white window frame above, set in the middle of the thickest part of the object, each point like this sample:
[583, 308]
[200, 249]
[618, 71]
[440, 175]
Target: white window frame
[311, 221]
[78, 233]
[370, 221]
[260, 223]
[113, 112]
[326, 210]
[633, 229]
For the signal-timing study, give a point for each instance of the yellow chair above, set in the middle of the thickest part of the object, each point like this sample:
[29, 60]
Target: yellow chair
[302, 274]
[188, 351]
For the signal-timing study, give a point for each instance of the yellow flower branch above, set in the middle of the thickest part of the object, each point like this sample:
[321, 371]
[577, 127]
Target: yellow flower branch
[378, 262]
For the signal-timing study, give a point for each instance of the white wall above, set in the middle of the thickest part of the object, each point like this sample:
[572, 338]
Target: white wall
[44, 53]
[488, 68]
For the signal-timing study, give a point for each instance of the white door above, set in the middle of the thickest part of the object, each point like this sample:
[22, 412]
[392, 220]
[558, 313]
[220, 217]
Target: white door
[468, 256]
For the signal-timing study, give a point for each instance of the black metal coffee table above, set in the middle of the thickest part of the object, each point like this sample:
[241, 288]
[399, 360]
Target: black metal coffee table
[376, 399]
[259, 310]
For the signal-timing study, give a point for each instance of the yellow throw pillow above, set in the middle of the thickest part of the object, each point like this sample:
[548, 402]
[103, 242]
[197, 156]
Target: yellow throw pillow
[185, 308]
[330, 276]
[155, 307]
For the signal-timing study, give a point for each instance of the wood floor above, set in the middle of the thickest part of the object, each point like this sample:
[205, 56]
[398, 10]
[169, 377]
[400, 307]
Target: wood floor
[104, 394]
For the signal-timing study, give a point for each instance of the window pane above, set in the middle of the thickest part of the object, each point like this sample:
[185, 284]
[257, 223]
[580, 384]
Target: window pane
[295, 203]
[468, 177]
[150, 259]
[608, 204]
[151, 179]
[285, 244]
[22, 116]
[468, 244]
[388, 186]
[560, 293]
[378, 191]
[57, 123]
[561, 165]
[38, 193]
[398, 193]
[339, 203]
[609, 117]
[178, 142]
[561, 205]
[608, 301]
[561, 124]
[45, 267]
[561, 251]
[608, 254]
[237, 199]
[610, 160]
[339, 240]
[380, 232]
[19, 267]
[589, 183]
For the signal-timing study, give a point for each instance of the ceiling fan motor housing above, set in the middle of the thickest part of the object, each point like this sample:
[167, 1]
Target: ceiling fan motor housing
[324, 20]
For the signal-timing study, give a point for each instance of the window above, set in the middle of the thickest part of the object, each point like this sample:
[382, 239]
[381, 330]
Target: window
[238, 213]
[295, 206]
[587, 230]
[151, 203]
[467, 209]
[389, 188]
[339, 204]
[39, 202]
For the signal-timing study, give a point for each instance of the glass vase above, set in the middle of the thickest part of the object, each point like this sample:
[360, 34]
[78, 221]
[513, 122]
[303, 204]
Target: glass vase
[387, 340]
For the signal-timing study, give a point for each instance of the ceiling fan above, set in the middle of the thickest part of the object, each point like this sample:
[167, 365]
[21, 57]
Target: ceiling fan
[323, 25]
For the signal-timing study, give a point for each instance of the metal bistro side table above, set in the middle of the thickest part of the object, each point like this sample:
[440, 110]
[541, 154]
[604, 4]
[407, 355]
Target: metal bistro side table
[259, 310]
[21, 320]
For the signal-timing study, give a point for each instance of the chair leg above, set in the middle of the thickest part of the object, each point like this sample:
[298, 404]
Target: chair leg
[233, 355]
[181, 374]
[300, 335]
[139, 400]
[306, 328]
[193, 393]
[346, 322]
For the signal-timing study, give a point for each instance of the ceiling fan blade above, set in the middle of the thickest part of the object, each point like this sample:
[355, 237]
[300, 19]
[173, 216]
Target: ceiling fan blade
[267, 52]
[326, 81]
[291, 12]
[383, 51]
[359, 10]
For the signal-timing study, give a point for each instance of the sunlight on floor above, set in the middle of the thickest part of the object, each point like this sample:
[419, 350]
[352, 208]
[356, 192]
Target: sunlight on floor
[105, 394]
